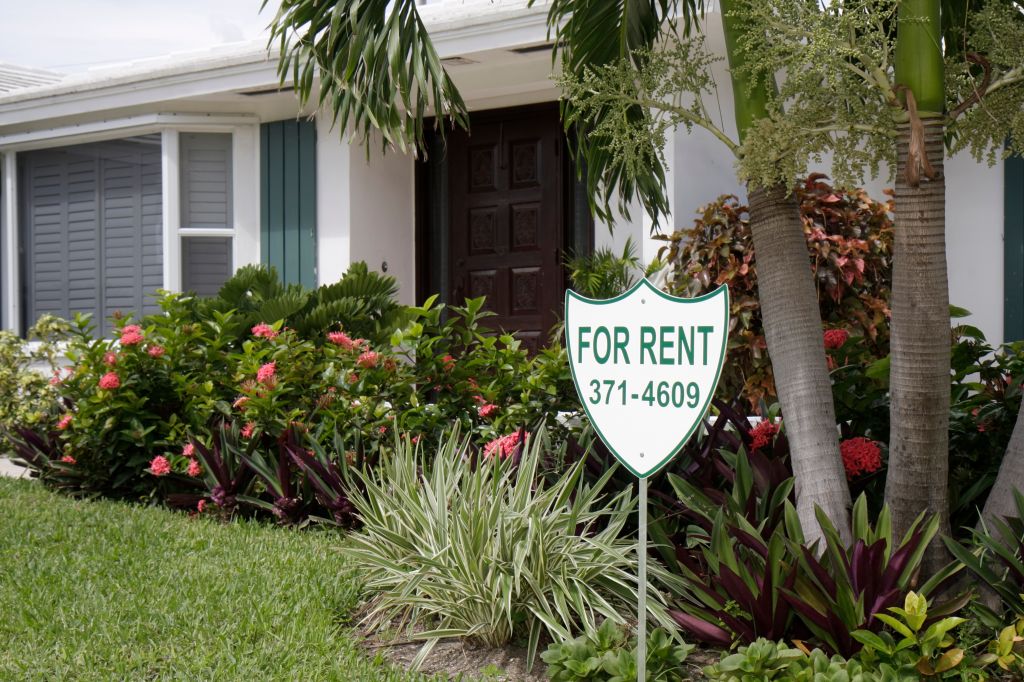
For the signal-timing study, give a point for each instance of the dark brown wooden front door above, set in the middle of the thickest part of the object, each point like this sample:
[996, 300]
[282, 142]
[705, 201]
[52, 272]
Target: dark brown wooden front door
[506, 208]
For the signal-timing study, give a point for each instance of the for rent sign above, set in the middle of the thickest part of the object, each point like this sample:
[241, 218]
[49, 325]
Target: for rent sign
[646, 365]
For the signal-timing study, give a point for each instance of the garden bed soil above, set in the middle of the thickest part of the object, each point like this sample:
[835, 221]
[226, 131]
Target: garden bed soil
[454, 657]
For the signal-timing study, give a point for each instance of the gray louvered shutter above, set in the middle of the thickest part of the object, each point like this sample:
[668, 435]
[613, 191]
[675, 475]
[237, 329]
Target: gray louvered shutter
[131, 194]
[92, 229]
[206, 202]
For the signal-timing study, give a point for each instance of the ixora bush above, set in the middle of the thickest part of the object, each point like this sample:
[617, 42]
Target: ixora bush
[985, 398]
[134, 408]
[849, 243]
[128, 398]
[459, 544]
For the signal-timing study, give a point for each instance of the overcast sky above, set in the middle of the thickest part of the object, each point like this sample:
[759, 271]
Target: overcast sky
[75, 35]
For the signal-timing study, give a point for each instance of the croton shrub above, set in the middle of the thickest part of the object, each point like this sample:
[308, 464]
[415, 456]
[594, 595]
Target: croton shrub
[849, 244]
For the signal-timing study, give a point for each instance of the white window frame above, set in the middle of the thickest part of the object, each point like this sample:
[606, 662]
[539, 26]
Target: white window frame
[245, 173]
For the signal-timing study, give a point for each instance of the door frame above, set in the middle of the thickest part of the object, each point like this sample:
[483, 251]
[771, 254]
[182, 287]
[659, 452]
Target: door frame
[432, 233]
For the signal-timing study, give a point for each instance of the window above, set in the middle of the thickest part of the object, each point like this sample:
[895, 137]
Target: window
[91, 229]
[207, 221]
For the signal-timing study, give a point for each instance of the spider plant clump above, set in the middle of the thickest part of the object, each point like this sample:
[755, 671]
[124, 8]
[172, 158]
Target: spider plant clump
[456, 544]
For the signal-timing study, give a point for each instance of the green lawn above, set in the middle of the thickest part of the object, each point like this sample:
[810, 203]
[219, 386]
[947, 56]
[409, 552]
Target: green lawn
[108, 591]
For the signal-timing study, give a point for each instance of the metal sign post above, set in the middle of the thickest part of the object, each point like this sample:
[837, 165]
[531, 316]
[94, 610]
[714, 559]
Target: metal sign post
[646, 357]
[641, 576]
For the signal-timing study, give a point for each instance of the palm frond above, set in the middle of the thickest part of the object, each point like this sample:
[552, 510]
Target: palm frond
[377, 67]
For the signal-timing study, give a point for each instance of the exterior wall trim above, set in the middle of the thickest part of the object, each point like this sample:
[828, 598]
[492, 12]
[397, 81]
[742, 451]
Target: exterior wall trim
[123, 127]
[12, 284]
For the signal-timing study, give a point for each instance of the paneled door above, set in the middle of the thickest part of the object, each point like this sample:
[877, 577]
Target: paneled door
[505, 183]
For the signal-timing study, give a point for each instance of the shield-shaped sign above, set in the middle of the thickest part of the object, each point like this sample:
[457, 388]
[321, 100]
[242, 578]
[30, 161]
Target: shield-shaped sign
[646, 365]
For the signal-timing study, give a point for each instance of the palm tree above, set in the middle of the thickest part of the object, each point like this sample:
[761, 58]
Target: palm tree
[919, 333]
[871, 79]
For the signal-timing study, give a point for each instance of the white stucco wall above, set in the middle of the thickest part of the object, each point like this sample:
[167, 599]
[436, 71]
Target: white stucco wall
[383, 216]
[974, 241]
[365, 210]
[333, 223]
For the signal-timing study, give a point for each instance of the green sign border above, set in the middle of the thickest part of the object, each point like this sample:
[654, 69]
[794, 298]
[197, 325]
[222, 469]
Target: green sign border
[721, 290]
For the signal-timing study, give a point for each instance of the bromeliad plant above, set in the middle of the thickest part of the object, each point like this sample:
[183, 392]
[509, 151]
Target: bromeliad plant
[848, 586]
[478, 547]
[735, 560]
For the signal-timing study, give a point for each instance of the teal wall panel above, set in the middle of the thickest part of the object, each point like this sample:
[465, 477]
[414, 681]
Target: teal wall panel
[288, 199]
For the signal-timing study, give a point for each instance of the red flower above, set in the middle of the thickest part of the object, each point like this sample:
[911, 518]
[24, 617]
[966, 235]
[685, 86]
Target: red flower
[264, 331]
[110, 381]
[266, 372]
[835, 338]
[486, 410]
[353, 378]
[448, 362]
[64, 422]
[194, 469]
[160, 466]
[367, 360]
[762, 434]
[131, 335]
[248, 429]
[860, 456]
[156, 351]
[201, 506]
[68, 459]
[110, 358]
[503, 446]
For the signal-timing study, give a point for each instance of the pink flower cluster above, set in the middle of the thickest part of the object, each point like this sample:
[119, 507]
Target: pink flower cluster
[160, 466]
[266, 373]
[503, 446]
[368, 359]
[189, 450]
[131, 335]
[264, 331]
[194, 469]
[68, 459]
[64, 422]
[487, 410]
[860, 456]
[835, 338]
[248, 429]
[156, 351]
[110, 381]
[762, 434]
[110, 358]
[345, 341]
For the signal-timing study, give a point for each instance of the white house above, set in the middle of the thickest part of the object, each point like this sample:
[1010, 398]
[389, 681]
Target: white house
[171, 172]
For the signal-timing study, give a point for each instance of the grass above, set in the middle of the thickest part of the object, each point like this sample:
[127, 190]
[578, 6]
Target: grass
[108, 591]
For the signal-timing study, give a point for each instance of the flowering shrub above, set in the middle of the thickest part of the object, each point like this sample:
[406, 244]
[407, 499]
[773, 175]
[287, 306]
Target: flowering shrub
[132, 401]
[29, 376]
[849, 241]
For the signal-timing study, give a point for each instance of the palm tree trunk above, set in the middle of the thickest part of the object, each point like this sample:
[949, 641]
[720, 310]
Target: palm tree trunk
[920, 342]
[1010, 478]
[792, 324]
